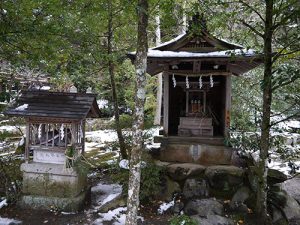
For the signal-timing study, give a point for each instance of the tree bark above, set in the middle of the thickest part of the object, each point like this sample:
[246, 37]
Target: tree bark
[261, 203]
[111, 69]
[157, 117]
[138, 126]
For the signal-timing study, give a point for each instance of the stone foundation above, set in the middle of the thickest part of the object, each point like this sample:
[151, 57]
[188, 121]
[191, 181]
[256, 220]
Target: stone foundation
[52, 186]
[198, 153]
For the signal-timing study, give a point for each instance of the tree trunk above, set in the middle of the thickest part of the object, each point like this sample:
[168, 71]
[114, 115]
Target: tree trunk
[138, 126]
[180, 17]
[261, 203]
[113, 84]
[157, 116]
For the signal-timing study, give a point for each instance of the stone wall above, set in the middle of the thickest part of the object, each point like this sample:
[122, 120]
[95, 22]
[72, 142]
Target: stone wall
[52, 186]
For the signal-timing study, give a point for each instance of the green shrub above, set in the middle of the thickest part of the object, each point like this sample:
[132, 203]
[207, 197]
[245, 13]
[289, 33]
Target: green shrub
[125, 121]
[5, 134]
[182, 220]
[10, 177]
[150, 180]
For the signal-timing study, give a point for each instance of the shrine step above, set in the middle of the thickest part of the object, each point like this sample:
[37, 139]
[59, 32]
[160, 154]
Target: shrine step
[209, 140]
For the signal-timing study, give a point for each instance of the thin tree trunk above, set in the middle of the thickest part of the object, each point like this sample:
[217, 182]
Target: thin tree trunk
[261, 203]
[180, 17]
[157, 116]
[138, 126]
[111, 69]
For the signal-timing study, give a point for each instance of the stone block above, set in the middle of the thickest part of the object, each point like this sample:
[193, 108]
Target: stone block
[198, 153]
[51, 180]
[72, 204]
[182, 171]
[224, 178]
[204, 207]
[195, 188]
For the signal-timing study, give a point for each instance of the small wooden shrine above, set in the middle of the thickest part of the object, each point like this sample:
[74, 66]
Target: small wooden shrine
[197, 68]
[55, 124]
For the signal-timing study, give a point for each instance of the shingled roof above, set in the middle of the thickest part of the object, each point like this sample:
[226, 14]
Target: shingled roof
[200, 47]
[55, 105]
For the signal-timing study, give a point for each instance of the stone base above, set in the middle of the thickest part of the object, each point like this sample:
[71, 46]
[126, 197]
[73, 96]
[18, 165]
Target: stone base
[198, 153]
[48, 185]
[74, 204]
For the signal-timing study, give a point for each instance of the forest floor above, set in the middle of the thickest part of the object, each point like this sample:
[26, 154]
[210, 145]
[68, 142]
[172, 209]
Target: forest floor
[100, 150]
[101, 189]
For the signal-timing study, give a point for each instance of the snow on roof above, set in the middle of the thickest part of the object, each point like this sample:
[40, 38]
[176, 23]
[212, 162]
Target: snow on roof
[184, 54]
[171, 41]
[231, 43]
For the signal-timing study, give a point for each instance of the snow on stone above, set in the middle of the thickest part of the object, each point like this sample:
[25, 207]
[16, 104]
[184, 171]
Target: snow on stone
[165, 206]
[46, 88]
[3, 203]
[124, 164]
[104, 193]
[22, 107]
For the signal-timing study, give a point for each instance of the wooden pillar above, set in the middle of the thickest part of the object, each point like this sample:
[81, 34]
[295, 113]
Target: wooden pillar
[166, 103]
[83, 136]
[227, 106]
[187, 103]
[47, 134]
[26, 154]
[73, 134]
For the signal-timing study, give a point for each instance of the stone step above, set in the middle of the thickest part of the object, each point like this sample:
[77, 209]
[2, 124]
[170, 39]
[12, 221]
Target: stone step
[219, 141]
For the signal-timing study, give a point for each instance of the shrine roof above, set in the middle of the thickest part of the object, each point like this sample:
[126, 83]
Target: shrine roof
[201, 47]
[204, 37]
[56, 105]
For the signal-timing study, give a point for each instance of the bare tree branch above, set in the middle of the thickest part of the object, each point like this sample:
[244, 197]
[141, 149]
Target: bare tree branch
[252, 28]
[253, 9]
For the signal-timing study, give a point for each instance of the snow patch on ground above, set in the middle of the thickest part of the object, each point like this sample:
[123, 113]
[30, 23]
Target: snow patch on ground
[101, 136]
[282, 166]
[3, 203]
[285, 125]
[102, 103]
[165, 206]
[9, 221]
[10, 129]
[116, 216]
[22, 107]
[104, 193]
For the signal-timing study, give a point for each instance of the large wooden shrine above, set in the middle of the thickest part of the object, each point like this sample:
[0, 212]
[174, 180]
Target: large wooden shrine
[55, 124]
[197, 69]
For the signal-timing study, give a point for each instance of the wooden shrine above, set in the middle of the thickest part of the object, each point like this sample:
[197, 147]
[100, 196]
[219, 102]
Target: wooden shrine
[55, 133]
[197, 68]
